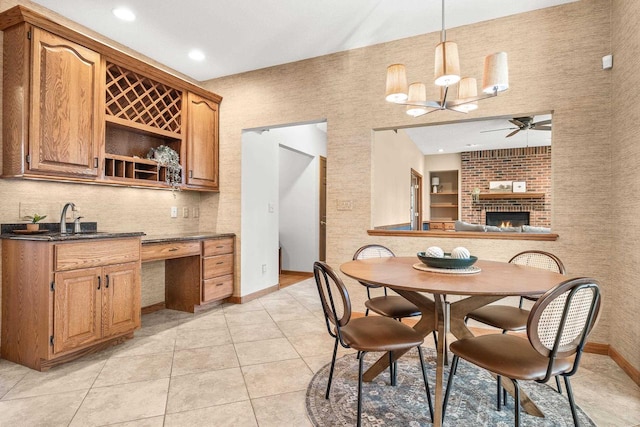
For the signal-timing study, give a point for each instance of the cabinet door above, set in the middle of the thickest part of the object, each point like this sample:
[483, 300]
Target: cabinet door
[202, 142]
[77, 309]
[65, 115]
[121, 299]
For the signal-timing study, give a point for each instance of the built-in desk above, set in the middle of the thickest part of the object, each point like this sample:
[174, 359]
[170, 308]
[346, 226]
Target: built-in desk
[198, 267]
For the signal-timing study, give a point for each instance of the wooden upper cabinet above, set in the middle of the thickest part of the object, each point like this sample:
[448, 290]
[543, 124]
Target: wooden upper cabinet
[64, 125]
[78, 110]
[202, 142]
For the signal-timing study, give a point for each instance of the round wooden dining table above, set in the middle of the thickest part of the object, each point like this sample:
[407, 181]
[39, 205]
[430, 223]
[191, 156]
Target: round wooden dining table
[494, 281]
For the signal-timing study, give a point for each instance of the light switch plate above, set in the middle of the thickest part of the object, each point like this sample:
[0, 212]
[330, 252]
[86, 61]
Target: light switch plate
[174, 212]
[185, 212]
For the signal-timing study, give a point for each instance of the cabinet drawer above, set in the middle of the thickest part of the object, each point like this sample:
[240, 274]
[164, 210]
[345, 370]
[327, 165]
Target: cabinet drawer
[71, 256]
[436, 226]
[217, 266]
[155, 251]
[220, 287]
[217, 247]
[449, 226]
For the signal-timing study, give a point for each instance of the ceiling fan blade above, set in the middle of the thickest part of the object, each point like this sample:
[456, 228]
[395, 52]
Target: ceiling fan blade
[542, 123]
[513, 133]
[517, 123]
[497, 130]
[536, 127]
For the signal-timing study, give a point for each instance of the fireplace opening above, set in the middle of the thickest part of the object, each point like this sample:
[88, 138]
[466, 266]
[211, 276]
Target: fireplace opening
[507, 219]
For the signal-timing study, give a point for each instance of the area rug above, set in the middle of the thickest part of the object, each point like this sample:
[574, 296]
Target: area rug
[472, 401]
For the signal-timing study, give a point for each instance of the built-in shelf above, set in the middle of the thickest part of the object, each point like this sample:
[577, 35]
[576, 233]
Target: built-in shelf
[445, 193]
[444, 205]
[493, 196]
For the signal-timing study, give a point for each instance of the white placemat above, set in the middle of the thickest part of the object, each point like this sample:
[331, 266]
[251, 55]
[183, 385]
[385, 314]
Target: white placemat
[467, 270]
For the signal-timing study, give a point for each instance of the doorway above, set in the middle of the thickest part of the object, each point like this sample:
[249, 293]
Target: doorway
[416, 200]
[322, 250]
[285, 223]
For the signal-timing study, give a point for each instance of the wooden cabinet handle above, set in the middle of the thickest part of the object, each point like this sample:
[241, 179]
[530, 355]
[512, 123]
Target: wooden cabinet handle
[107, 284]
[220, 262]
[220, 247]
[173, 249]
[219, 284]
[99, 282]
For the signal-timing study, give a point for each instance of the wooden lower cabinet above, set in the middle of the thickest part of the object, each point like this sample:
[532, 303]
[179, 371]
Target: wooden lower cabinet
[53, 312]
[217, 269]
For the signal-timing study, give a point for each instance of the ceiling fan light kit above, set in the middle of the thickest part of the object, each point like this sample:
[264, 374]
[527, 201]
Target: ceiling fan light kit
[447, 73]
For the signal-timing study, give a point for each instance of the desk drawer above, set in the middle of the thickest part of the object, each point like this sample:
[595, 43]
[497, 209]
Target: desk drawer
[217, 266]
[71, 256]
[217, 247]
[217, 288]
[156, 251]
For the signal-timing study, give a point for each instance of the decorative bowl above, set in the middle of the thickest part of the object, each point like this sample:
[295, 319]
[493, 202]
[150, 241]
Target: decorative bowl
[447, 261]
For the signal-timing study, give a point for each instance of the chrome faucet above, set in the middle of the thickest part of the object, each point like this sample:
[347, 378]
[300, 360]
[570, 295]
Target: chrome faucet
[63, 217]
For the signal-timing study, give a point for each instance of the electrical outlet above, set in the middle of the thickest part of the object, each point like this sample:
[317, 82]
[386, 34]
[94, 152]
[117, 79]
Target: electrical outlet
[185, 212]
[345, 205]
[196, 212]
[264, 268]
[174, 212]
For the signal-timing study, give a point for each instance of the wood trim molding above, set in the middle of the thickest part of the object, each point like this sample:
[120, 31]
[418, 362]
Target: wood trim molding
[466, 235]
[597, 348]
[302, 273]
[153, 308]
[246, 298]
[629, 369]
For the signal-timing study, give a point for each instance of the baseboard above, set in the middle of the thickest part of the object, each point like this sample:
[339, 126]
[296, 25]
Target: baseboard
[629, 369]
[301, 273]
[246, 298]
[596, 348]
[154, 307]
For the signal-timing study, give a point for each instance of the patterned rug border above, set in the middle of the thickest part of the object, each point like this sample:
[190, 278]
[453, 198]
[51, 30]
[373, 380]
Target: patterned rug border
[405, 404]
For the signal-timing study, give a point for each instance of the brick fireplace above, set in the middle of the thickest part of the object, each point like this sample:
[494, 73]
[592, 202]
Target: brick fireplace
[530, 164]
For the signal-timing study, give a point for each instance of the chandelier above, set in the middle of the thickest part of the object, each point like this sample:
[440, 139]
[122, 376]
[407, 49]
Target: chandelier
[447, 73]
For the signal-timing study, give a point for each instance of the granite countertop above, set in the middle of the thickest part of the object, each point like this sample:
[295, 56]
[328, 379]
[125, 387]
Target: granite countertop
[163, 238]
[51, 232]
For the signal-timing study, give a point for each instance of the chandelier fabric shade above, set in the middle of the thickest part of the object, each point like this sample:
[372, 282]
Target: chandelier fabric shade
[447, 69]
[468, 88]
[447, 73]
[396, 83]
[417, 93]
[496, 73]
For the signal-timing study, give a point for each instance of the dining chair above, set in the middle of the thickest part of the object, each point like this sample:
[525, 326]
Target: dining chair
[393, 306]
[364, 334]
[557, 328]
[508, 317]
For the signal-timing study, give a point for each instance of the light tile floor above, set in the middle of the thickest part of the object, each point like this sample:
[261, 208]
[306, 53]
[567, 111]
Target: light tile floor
[232, 365]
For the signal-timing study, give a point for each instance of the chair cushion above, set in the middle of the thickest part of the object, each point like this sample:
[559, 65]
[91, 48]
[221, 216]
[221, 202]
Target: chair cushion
[504, 317]
[393, 306]
[508, 355]
[376, 333]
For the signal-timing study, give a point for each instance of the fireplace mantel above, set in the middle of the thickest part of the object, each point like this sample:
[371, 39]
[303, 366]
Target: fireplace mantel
[495, 196]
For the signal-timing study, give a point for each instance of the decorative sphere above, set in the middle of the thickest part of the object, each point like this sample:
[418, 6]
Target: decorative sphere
[460, 253]
[434, 252]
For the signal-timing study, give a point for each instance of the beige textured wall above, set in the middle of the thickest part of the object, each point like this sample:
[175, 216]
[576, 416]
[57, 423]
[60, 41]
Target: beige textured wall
[625, 183]
[554, 57]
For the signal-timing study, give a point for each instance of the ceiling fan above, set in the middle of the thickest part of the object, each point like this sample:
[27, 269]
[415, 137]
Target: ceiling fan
[524, 123]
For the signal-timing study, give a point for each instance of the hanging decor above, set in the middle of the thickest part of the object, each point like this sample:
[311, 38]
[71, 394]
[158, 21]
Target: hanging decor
[447, 73]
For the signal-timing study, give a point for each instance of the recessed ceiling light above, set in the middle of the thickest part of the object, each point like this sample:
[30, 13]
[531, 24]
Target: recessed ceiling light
[196, 55]
[473, 145]
[124, 14]
[440, 150]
